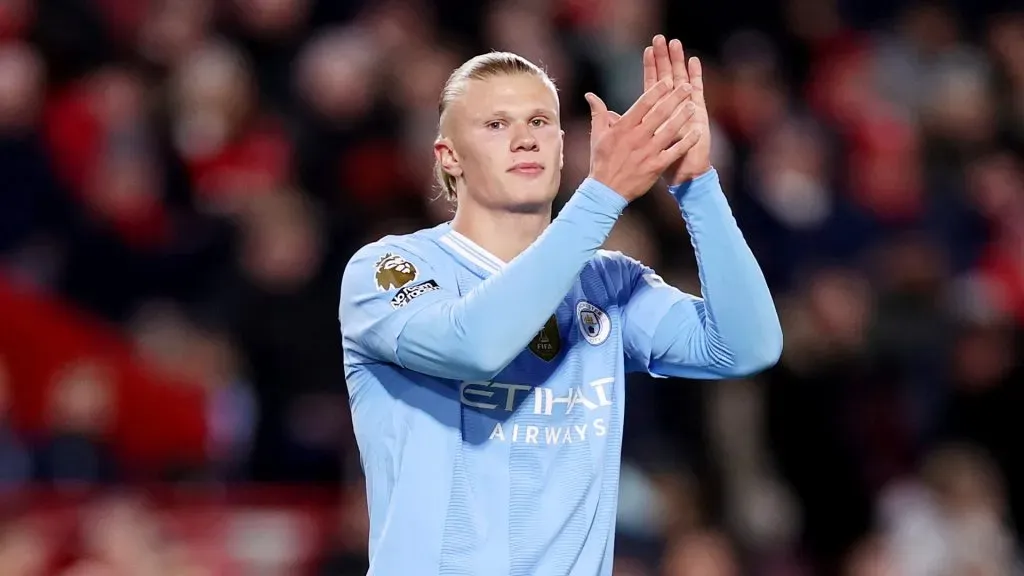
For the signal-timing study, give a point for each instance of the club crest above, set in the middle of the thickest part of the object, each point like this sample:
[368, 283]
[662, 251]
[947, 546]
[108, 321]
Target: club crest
[548, 342]
[393, 272]
[595, 325]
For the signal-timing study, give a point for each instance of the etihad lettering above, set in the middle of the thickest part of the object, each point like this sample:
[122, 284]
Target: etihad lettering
[507, 397]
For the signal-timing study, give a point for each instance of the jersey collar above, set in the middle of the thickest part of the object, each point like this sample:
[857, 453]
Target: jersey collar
[471, 252]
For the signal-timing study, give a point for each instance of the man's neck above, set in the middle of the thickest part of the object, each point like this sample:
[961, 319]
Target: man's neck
[504, 234]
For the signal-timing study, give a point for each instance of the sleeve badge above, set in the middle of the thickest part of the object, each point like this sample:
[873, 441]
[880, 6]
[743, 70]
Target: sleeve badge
[392, 272]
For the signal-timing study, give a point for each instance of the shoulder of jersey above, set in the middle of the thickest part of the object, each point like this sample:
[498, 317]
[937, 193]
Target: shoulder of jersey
[610, 261]
[418, 244]
[609, 258]
[398, 263]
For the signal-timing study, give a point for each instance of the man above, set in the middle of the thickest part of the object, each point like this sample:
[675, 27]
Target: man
[486, 357]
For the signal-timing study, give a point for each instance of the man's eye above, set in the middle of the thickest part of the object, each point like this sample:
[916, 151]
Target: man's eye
[495, 125]
[538, 122]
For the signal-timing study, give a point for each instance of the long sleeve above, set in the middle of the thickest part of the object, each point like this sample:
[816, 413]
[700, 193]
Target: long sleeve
[428, 327]
[732, 329]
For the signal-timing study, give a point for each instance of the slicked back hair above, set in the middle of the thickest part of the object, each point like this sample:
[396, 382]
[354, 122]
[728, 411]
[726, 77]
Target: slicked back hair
[482, 67]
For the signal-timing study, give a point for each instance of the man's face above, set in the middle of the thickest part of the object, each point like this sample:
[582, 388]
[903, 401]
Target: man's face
[505, 141]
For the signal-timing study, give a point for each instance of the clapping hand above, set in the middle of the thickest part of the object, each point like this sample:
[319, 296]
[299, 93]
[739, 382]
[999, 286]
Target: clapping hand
[629, 153]
[666, 62]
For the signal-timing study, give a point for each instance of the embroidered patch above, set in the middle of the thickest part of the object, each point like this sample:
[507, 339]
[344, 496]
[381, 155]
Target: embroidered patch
[393, 272]
[594, 324]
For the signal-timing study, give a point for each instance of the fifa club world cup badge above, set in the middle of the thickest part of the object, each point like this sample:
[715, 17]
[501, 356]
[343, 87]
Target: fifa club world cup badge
[548, 342]
[593, 322]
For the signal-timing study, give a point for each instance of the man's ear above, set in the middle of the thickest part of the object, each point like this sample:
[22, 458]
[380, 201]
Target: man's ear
[444, 153]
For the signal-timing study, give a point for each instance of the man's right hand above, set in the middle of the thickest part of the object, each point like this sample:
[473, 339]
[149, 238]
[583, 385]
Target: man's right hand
[629, 153]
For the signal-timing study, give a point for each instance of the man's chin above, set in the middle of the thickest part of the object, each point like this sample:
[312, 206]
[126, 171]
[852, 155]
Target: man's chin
[530, 200]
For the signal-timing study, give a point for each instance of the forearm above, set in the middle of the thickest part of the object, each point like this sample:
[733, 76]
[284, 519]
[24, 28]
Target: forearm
[481, 333]
[740, 331]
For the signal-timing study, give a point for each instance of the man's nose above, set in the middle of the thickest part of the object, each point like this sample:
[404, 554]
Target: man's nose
[523, 139]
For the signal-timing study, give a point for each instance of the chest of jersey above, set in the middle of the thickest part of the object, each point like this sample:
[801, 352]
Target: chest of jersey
[563, 385]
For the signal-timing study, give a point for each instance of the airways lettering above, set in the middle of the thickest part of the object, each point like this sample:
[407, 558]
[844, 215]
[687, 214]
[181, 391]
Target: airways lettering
[549, 435]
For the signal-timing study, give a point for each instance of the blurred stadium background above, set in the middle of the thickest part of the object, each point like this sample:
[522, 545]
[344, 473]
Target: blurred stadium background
[183, 180]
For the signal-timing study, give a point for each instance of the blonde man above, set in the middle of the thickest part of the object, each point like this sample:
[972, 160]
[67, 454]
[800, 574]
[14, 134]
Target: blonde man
[486, 357]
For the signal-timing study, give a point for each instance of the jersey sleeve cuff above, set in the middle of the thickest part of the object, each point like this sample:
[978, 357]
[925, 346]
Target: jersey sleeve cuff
[603, 198]
[700, 186]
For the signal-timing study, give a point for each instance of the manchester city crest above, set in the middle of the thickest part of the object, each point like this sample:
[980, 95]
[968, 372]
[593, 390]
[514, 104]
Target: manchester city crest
[595, 326]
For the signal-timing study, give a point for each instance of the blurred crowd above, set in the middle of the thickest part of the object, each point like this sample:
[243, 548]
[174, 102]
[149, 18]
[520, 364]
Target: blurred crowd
[195, 173]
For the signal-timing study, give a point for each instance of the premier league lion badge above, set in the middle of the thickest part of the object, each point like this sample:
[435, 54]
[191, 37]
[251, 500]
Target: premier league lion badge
[393, 272]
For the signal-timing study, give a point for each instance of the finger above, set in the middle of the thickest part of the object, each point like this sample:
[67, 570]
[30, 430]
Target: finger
[680, 148]
[668, 132]
[665, 108]
[662, 62]
[650, 71]
[597, 106]
[696, 72]
[598, 113]
[644, 104]
[678, 59]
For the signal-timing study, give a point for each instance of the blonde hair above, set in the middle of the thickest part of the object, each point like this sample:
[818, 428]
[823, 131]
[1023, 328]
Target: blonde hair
[481, 67]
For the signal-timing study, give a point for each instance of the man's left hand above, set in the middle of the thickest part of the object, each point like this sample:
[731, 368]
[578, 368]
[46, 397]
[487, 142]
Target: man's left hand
[666, 60]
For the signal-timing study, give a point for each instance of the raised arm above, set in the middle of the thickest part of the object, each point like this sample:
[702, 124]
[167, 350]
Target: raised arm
[733, 329]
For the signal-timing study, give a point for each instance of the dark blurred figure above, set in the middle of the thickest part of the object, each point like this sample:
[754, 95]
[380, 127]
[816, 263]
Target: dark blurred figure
[15, 459]
[834, 415]
[286, 279]
[76, 452]
[30, 209]
[987, 401]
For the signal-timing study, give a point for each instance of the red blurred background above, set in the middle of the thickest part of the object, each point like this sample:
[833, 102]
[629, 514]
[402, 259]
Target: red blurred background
[183, 181]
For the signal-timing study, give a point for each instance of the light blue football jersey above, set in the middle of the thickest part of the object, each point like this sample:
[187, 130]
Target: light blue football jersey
[507, 465]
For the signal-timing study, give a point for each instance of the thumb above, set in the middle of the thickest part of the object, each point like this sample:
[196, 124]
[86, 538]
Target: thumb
[598, 112]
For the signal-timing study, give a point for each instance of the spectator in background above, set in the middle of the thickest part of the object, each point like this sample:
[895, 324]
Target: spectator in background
[233, 408]
[232, 150]
[75, 453]
[285, 277]
[181, 350]
[700, 554]
[953, 520]
[15, 458]
[30, 213]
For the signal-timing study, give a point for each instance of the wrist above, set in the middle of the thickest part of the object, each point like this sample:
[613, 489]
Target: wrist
[707, 180]
[603, 196]
[681, 179]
